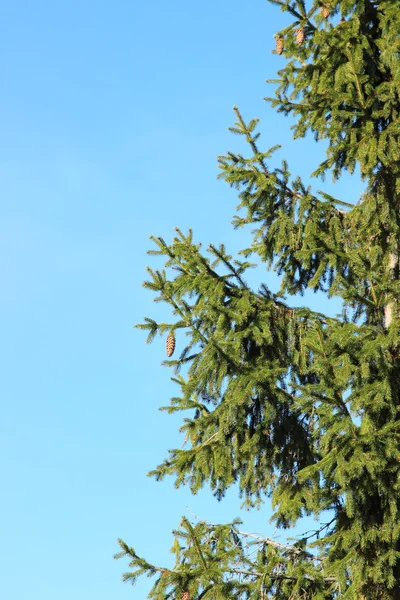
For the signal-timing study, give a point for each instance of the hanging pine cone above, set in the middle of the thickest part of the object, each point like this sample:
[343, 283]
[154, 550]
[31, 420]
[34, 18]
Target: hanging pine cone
[325, 12]
[185, 596]
[170, 345]
[300, 36]
[279, 45]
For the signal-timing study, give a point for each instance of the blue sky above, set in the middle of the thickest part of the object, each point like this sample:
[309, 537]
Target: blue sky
[112, 115]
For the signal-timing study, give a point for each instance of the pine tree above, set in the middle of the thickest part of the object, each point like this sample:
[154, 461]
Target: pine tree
[288, 403]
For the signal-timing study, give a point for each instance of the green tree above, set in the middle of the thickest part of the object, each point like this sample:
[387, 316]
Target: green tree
[287, 403]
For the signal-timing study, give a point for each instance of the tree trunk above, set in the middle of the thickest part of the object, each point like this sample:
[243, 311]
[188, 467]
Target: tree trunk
[389, 307]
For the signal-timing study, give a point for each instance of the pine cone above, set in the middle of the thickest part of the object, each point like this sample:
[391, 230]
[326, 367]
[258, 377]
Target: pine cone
[170, 345]
[185, 596]
[325, 12]
[279, 45]
[300, 36]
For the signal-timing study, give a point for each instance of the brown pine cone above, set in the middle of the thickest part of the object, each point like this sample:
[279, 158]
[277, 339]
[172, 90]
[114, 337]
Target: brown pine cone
[279, 45]
[325, 12]
[300, 36]
[170, 345]
[185, 596]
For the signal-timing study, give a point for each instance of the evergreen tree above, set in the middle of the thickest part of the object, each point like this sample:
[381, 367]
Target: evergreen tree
[288, 403]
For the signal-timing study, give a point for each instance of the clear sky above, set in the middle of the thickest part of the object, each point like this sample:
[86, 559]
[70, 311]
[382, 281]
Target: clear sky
[112, 115]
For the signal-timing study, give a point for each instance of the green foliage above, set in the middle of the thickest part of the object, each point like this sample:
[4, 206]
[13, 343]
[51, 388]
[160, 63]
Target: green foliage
[343, 82]
[220, 561]
[287, 403]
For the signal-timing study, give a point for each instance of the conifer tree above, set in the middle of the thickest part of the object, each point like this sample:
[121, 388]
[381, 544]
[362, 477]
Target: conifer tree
[289, 404]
